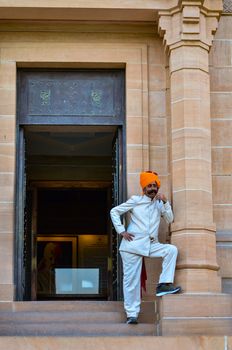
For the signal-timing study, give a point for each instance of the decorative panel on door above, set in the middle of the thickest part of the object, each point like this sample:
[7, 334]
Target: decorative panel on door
[52, 96]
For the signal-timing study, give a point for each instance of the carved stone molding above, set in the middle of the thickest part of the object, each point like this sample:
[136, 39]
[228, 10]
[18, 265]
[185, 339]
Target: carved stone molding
[191, 22]
[227, 6]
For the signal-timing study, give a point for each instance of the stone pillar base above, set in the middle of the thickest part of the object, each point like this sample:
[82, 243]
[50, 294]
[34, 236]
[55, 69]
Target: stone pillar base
[198, 280]
[195, 314]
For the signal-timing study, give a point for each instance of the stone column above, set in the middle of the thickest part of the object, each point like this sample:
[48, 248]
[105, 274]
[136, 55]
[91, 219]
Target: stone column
[188, 31]
[7, 176]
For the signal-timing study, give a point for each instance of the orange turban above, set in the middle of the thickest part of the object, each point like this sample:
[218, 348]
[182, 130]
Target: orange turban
[148, 177]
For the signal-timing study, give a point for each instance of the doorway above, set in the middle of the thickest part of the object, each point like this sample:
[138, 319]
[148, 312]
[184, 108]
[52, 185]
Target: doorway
[70, 172]
[70, 182]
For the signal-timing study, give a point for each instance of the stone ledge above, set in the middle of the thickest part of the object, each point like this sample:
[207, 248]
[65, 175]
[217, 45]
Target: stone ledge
[115, 343]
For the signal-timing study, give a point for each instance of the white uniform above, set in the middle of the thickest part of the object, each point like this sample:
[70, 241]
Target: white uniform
[144, 224]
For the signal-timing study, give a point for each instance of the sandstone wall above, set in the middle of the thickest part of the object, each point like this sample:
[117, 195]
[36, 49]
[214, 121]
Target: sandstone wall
[137, 48]
[221, 121]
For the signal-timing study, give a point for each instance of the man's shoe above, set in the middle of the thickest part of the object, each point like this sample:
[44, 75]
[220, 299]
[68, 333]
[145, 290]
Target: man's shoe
[167, 288]
[132, 320]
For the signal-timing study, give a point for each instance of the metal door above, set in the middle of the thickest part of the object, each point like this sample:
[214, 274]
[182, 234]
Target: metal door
[117, 198]
[23, 225]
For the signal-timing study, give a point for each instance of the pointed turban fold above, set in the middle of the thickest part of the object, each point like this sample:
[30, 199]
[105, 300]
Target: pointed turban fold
[148, 177]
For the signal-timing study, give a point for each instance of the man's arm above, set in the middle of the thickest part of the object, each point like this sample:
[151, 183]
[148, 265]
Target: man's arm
[121, 209]
[166, 209]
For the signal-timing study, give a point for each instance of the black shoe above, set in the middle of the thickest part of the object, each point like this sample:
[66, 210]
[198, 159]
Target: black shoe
[166, 288]
[132, 320]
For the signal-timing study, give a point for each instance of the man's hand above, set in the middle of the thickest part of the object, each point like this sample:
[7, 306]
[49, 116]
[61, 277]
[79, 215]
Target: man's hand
[127, 236]
[161, 197]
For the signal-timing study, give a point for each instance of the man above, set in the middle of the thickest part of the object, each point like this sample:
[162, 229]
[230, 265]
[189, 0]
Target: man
[141, 239]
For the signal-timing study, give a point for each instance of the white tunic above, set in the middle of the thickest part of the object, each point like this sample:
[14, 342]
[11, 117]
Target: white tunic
[144, 222]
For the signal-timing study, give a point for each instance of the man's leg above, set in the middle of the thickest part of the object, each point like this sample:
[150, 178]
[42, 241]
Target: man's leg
[132, 265]
[169, 254]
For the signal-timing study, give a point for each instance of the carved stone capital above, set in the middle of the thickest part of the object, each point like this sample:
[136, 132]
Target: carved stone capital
[191, 23]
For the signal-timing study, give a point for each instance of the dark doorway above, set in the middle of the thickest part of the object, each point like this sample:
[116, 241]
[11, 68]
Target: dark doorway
[69, 247]
[70, 172]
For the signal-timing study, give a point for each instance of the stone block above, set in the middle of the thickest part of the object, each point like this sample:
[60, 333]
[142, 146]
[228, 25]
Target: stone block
[196, 305]
[7, 193]
[6, 258]
[134, 107]
[156, 54]
[158, 159]
[224, 28]
[134, 76]
[221, 104]
[7, 101]
[220, 53]
[198, 280]
[134, 158]
[157, 131]
[6, 218]
[67, 52]
[192, 174]
[113, 343]
[190, 113]
[8, 75]
[222, 132]
[6, 180]
[199, 326]
[7, 292]
[221, 161]
[192, 207]
[157, 77]
[226, 285]
[191, 144]
[189, 57]
[133, 186]
[224, 258]
[157, 104]
[7, 150]
[134, 130]
[222, 189]
[7, 163]
[196, 248]
[221, 78]
[222, 214]
[189, 84]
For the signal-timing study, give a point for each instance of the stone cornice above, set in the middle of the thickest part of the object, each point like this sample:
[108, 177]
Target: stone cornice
[190, 23]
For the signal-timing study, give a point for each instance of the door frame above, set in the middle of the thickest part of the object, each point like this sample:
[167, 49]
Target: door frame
[25, 292]
[43, 123]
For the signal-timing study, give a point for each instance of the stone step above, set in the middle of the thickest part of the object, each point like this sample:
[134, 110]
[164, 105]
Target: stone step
[184, 326]
[73, 318]
[75, 329]
[74, 305]
[115, 343]
[70, 316]
[196, 305]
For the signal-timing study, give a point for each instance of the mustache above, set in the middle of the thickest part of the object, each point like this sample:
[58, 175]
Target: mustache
[152, 191]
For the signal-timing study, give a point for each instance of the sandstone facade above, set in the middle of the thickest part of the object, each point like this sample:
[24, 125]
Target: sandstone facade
[177, 61]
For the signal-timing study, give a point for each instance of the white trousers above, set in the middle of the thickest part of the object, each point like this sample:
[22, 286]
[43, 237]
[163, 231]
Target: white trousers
[132, 265]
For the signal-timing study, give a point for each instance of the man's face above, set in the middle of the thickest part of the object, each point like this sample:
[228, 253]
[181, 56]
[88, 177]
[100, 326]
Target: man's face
[151, 190]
